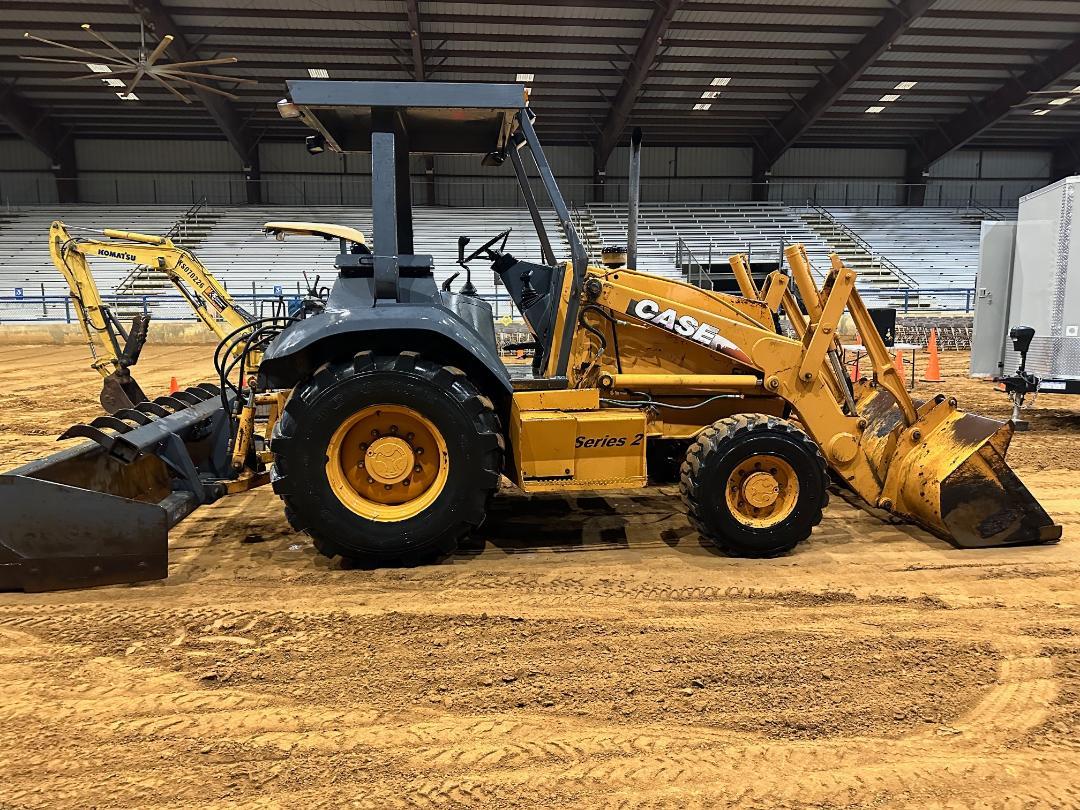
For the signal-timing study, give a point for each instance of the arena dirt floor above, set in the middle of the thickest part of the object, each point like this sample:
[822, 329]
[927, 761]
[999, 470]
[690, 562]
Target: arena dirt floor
[582, 651]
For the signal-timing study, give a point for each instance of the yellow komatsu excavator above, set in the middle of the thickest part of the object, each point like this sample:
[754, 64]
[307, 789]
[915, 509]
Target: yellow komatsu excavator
[114, 348]
[388, 420]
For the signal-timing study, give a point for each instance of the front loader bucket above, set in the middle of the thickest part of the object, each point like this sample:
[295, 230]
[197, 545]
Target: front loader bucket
[99, 513]
[948, 473]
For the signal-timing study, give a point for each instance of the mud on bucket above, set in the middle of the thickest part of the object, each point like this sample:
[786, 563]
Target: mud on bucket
[958, 485]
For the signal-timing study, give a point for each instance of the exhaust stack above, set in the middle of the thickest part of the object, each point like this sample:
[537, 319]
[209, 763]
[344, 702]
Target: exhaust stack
[634, 199]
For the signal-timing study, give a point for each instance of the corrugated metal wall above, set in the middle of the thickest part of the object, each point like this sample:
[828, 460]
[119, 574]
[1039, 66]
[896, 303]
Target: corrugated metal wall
[839, 176]
[178, 171]
[25, 174]
[994, 177]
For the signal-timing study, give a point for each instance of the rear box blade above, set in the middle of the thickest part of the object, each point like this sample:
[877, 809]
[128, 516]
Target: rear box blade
[55, 536]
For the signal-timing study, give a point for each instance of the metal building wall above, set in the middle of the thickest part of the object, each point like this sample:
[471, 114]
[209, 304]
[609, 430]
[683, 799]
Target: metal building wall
[839, 176]
[25, 174]
[179, 171]
[992, 177]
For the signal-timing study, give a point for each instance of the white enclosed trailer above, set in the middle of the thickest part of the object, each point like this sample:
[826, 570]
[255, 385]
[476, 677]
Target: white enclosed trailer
[1029, 276]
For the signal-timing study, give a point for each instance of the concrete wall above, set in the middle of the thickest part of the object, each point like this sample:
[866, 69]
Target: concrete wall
[69, 334]
[179, 171]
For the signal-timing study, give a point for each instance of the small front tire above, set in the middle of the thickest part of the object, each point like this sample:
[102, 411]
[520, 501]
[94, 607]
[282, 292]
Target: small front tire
[754, 485]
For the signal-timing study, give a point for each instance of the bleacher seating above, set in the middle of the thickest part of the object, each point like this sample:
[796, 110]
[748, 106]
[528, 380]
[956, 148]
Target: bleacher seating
[938, 247]
[24, 241]
[716, 229]
[234, 248]
[237, 251]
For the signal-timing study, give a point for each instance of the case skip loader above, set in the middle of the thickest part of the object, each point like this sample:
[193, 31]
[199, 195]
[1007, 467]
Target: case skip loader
[386, 420]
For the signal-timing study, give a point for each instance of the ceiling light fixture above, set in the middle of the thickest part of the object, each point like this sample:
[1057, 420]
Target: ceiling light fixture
[127, 96]
[721, 81]
[96, 68]
[318, 73]
[905, 85]
[875, 109]
[524, 77]
[1057, 102]
[711, 94]
[889, 97]
[1039, 112]
[702, 106]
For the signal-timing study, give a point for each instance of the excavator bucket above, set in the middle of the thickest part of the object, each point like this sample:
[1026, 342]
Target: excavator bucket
[99, 513]
[947, 472]
[119, 391]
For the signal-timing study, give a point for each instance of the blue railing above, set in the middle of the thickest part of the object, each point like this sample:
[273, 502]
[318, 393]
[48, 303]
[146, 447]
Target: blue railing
[165, 307]
[56, 308]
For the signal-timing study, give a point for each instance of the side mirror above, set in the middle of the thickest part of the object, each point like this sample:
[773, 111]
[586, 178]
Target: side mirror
[462, 241]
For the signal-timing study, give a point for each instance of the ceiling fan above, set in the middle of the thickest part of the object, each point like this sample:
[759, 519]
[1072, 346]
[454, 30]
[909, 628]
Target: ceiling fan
[1060, 98]
[126, 71]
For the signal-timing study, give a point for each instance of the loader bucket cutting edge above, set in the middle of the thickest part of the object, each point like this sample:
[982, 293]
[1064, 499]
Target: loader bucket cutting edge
[99, 513]
[954, 481]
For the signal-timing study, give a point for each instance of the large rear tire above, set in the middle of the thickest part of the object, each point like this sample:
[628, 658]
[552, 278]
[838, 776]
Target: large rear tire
[754, 485]
[385, 460]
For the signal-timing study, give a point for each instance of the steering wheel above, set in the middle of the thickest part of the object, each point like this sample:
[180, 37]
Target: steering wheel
[488, 245]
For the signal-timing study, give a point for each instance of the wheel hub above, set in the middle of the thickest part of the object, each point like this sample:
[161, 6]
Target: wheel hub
[760, 489]
[389, 459]
[387, 462]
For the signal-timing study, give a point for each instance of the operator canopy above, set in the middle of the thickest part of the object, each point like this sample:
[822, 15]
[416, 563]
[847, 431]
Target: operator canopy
[443, 117]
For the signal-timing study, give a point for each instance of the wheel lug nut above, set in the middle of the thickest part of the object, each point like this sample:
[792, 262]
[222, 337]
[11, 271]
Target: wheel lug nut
[393, 429]
[387, 486]
[409, 436]
[375, 433]
[361, 465]
[406, 482]
[371, 480]
[417, 469]
[418, 450]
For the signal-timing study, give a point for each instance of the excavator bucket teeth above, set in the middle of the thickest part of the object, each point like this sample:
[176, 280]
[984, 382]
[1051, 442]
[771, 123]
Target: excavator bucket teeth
[948, 473]
[99, 512]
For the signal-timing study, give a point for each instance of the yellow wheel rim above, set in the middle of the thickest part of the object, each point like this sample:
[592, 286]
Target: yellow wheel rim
[762, 491]
[387, 463]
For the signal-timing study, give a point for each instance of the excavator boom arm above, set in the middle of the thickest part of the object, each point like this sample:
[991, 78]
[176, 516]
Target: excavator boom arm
[114, 349]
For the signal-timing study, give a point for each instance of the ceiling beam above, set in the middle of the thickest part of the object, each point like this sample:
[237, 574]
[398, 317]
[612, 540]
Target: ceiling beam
[978, 117]
[159, 23]
[43, 132]
[413, 8]
[846, 71]
[636, 73]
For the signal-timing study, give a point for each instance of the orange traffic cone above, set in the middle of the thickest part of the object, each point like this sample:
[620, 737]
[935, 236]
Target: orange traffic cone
[933, 367]
[898, 362]
[173, 386]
